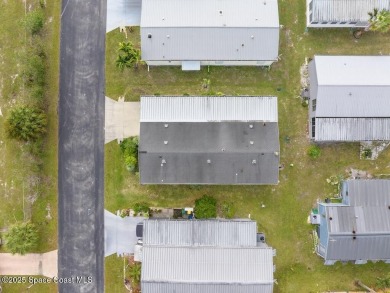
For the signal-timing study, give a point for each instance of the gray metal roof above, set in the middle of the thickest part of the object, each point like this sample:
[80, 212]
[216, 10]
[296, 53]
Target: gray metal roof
[352, 129]
[366, 216]
[200, 233]
[345, 10]
[209, 30]
[368, 192]
[208, 109]
[209, 13]
[347, 88]
[208, 266]
[212, 152]
[152, 287]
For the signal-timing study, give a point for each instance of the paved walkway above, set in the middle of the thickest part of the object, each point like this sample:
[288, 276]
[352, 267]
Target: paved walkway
[122, 119]
[30, 264]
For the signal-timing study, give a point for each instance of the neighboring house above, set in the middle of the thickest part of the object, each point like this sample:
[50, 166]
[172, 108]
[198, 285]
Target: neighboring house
[192, 33]
[209, 140]
[342, 13]
[209, 256]
[349, 98]
[358, 228]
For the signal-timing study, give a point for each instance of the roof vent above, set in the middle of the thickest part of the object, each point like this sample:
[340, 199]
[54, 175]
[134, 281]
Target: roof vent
[330, 218]
[168, 36]
[165, 142]
[251, 142]
[223, 149]
[163, 18]
[253, 162]
[242, 45]
[166, 125]
[276, 153]
[163, 161]
[220, 12]
[265, 3]
[252, 36]
[208, 161]
[149, 36]
[264, 124]
[251, 126]
[350, 94]
[354, 237]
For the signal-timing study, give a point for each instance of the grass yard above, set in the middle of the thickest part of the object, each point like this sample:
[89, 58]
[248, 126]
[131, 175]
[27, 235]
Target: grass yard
[28, 184]
[283, 219]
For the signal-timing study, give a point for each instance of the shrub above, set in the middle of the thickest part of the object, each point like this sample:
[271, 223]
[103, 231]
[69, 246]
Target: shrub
[135, 273]
[34, 21]
[21, 238]
[314, 151]
[205, 207]
[129, 148]
[26, 123]
[228, 209]
[379, 20]
[35, 71]
[367, 153]
[129, 56]
[141, 207]
[384, 282]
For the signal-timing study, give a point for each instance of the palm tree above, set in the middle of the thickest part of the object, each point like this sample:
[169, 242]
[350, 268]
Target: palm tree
[379, 20]
[128, 56]
[21, 238]
[135, 273]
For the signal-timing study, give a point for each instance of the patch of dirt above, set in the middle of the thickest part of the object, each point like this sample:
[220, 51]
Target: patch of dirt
[358, 174]
[304, 72]
[371, 150]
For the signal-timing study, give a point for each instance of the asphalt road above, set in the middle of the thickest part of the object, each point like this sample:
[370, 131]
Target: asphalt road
[81, 147]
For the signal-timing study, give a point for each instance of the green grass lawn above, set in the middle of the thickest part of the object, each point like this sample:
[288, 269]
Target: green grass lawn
[286, 205]
[17, 167]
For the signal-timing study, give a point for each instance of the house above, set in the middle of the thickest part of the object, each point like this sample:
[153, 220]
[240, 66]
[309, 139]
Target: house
[209, 32]
[349, 98]
[219, 256]
[358, 228]
[341, 13]
[209, 140]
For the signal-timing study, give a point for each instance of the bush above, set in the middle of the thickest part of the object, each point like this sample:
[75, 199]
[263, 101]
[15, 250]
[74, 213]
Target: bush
[129, 148]
[26, 123]
[34, 21]
[205, 207]
[141, 207]
[314, 151]
[228, 210]
[21, 238]
[35, 71]
[367, 153]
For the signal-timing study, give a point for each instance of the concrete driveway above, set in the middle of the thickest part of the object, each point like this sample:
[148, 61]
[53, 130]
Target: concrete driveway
[44, 264]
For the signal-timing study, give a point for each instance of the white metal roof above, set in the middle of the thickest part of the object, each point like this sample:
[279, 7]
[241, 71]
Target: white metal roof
[209, 13]
[345, 10]
[207, 265]
[353, 70]
[208, 109]
[370, 192]
[200, 233]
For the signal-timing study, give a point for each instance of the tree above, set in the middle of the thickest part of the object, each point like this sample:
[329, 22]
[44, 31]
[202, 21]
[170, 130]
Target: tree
[379, 20]
[26, 123]
[21, 238]
[128, 56]
[205, 207]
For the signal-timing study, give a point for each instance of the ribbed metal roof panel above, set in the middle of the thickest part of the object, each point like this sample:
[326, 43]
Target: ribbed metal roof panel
[153, 287]
[209, 13]
[208, 109]
[345, 10]
[200, 233]
[352, 129]
[369, 192]
[209, 44]
[207, 265]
